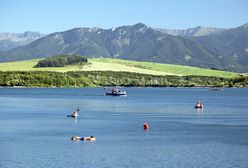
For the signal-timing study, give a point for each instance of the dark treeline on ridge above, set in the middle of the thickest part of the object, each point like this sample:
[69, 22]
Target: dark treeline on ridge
[100, 78]
[61, 61]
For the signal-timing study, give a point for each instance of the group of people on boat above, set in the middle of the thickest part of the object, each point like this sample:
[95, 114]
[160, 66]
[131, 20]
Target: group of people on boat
[115, 91]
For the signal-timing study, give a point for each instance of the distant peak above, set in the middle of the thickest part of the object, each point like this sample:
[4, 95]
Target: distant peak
[30, 34]
[139, 25]
[198, 27]
[27, 32]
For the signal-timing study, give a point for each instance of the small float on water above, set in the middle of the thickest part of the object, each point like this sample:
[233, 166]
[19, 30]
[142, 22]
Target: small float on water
[74, 114]
[78, 138]
[115, 91]
[146, 126]
[199, 104]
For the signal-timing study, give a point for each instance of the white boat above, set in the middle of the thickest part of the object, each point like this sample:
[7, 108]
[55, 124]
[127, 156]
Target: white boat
[115, 91]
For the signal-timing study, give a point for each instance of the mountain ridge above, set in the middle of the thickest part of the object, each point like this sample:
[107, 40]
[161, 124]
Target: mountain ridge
[12, 40]
[192, 32]
[142, 43]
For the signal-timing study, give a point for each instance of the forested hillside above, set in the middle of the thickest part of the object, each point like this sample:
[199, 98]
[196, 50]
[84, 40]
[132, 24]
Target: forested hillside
[95, 79]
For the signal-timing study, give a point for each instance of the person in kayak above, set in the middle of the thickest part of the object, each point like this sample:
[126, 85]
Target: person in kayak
[78, 138]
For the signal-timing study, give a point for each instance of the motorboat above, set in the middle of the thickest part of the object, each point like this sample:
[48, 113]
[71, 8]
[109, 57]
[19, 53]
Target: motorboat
[115, 91]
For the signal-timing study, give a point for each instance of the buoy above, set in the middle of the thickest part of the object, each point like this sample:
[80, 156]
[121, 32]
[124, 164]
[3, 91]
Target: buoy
[146, 126]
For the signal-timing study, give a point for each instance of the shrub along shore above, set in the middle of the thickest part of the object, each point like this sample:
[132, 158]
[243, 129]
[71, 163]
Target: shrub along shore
[105, 78]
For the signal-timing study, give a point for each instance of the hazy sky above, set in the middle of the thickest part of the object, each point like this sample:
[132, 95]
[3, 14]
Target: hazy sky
[48, 16]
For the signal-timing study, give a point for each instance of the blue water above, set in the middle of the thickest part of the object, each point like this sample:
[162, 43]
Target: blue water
[35, 132]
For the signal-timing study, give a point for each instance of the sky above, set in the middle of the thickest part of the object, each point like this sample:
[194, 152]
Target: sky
[47, 16]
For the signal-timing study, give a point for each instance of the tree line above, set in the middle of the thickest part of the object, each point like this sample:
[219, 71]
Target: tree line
[105, 78]
[60, 61]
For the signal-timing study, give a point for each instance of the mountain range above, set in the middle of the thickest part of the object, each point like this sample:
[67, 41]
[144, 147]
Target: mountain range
[12, 40]
[225, 49]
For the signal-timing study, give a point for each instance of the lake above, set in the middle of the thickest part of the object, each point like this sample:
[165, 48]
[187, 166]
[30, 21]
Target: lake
[35, 132]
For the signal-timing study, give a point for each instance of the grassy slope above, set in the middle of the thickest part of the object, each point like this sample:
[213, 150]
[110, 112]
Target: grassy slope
[169, 68]
[93, 66]
[107, 64]
[28, 65]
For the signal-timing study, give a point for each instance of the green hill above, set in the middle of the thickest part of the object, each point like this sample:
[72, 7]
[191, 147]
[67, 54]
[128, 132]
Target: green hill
[108, 64]
[178, 70]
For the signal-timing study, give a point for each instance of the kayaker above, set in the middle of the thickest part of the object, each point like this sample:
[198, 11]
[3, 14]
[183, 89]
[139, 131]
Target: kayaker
[78, 138]
[199, 104]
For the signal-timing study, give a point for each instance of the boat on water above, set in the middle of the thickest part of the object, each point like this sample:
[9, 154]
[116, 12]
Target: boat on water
[115, 91]
[78, 138]
[199, 104]
[74, 114]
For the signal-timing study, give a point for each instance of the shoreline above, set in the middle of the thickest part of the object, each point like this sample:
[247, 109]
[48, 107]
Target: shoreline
[44, 79]
[178, 87]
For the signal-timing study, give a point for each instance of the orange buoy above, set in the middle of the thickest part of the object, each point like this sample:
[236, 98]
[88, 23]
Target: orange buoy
[146, 126]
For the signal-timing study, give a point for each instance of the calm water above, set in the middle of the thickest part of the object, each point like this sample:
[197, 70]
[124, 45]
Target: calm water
[35, 132]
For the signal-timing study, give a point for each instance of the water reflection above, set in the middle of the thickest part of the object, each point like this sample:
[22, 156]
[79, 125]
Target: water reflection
[199, 111]
[75, 120]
